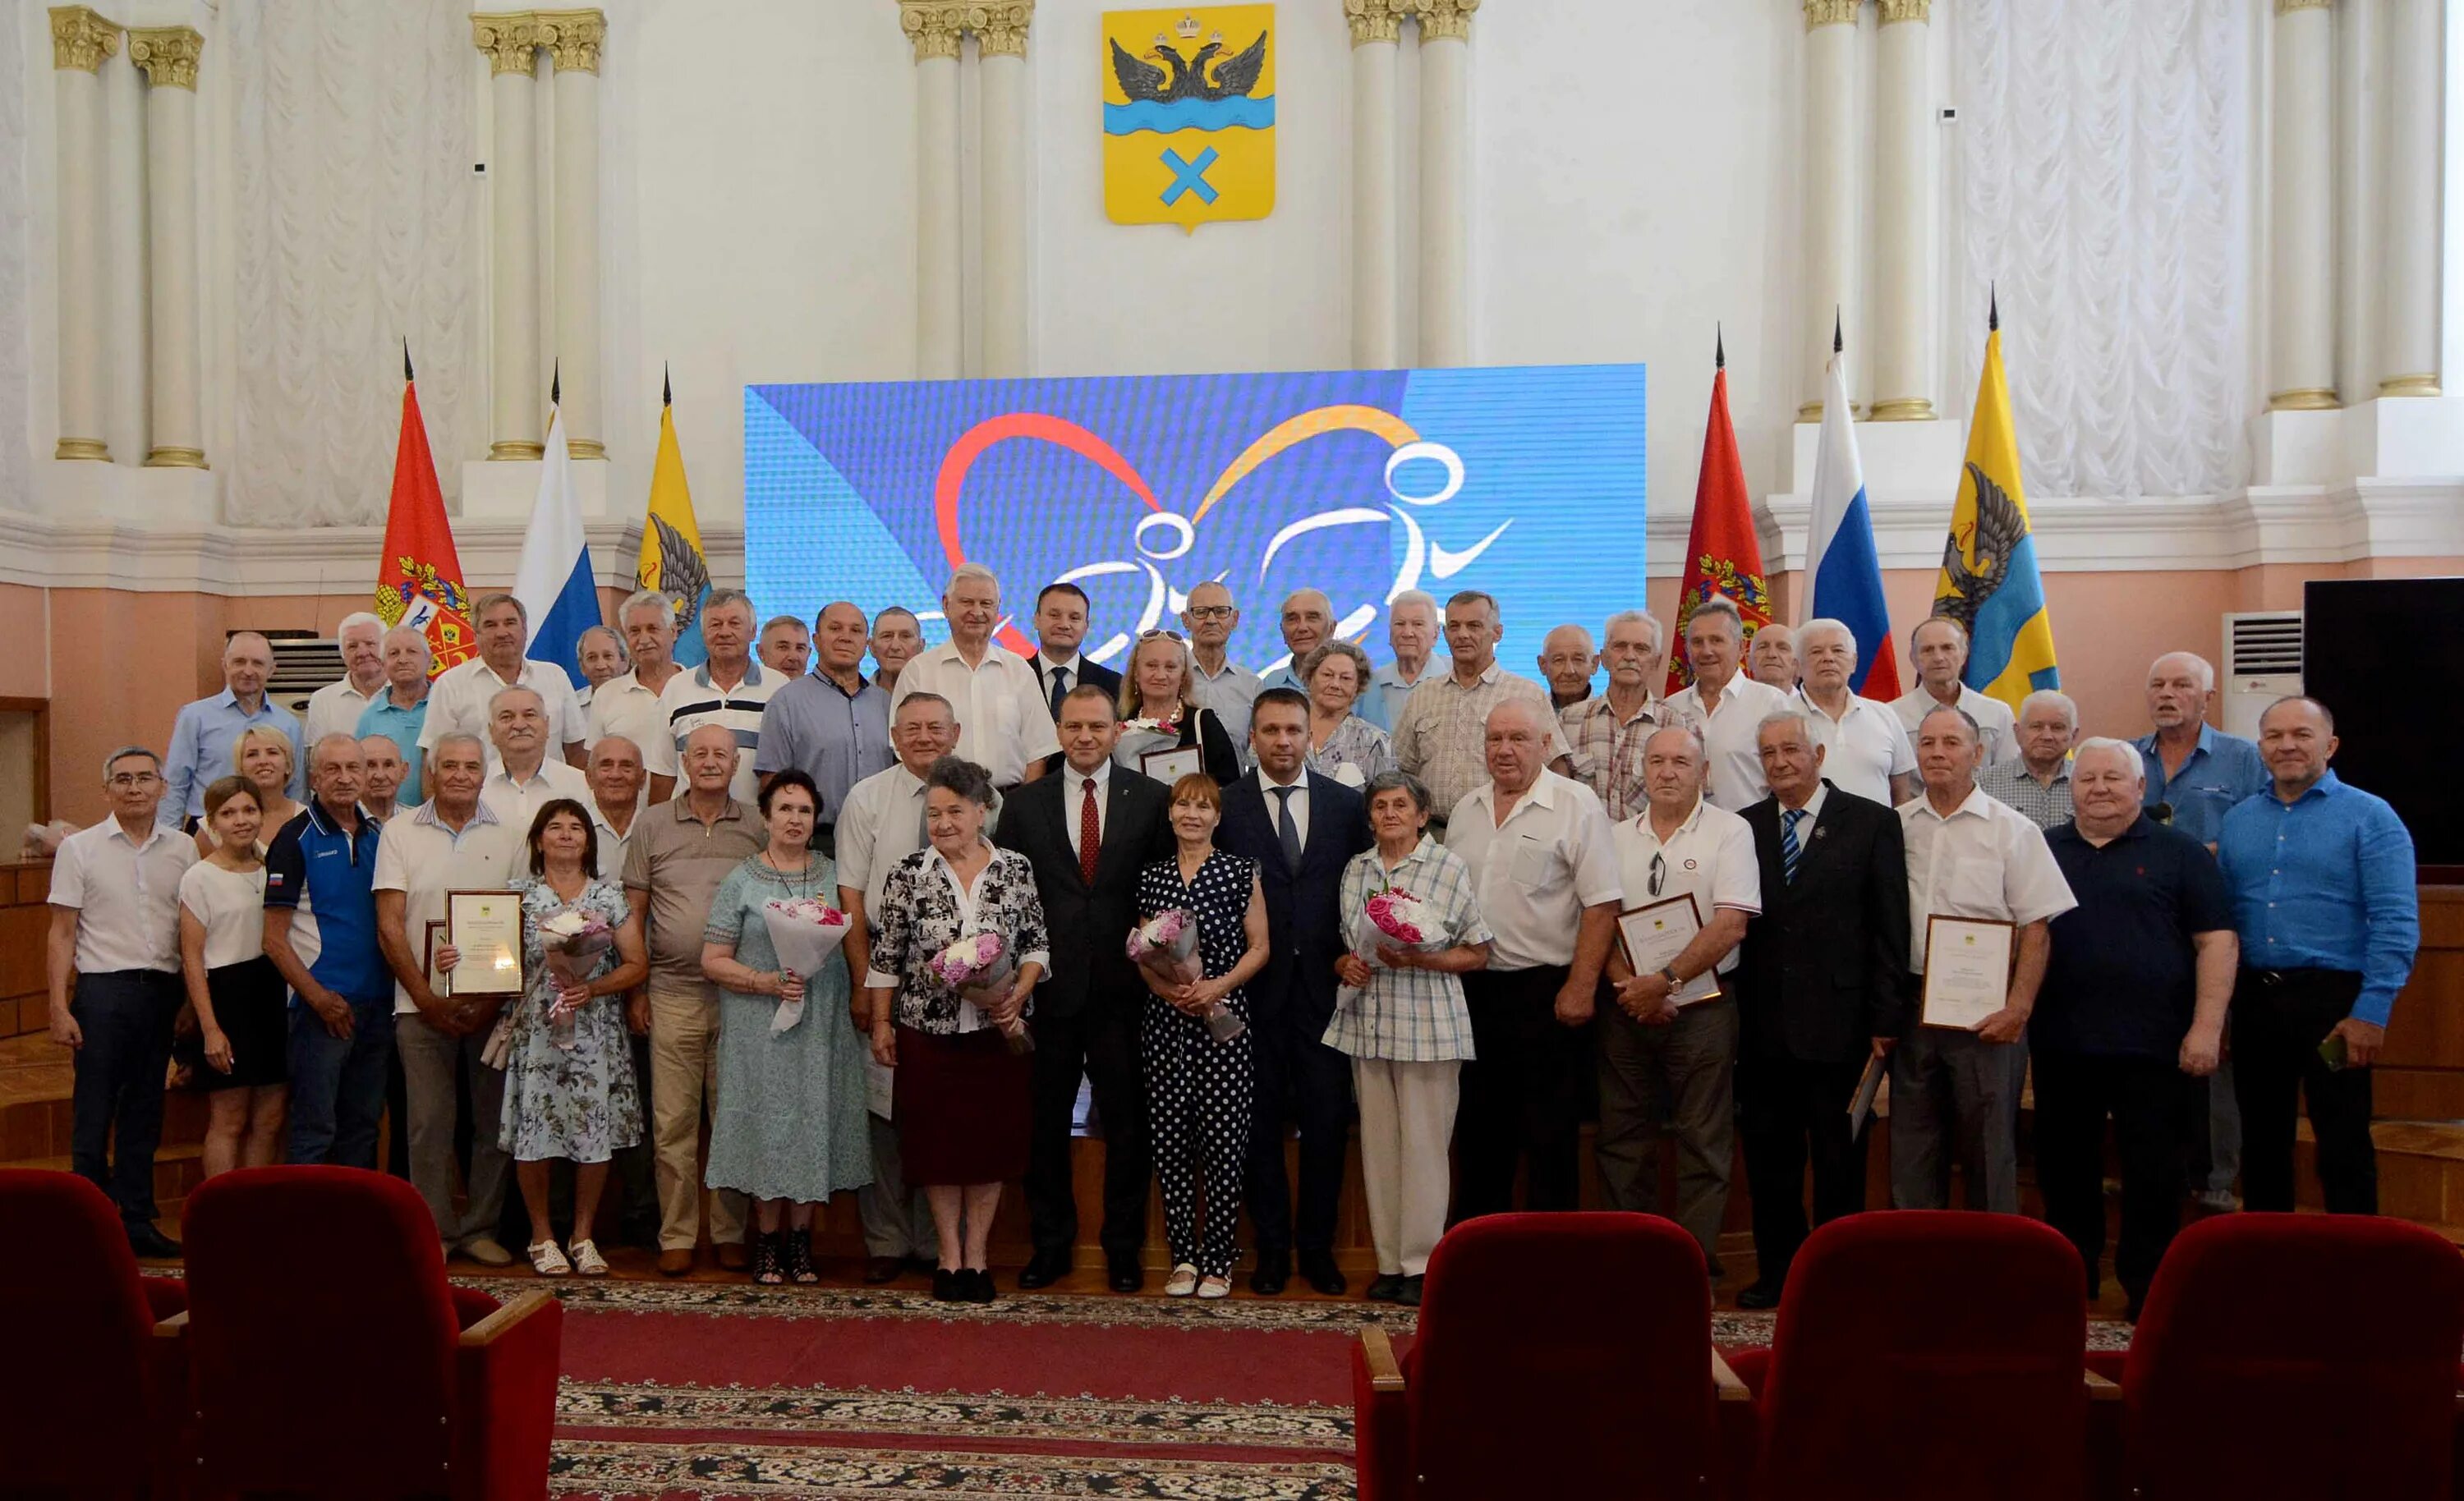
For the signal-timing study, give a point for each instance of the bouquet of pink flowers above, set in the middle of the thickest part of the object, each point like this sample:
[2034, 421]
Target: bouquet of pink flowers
[979, 968]
[1395, 917]
[805, 931]
[1166, 946]
[573, 942]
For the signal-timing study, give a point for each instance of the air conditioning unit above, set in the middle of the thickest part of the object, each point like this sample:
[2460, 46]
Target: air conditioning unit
[2262, 661]
[304, 663]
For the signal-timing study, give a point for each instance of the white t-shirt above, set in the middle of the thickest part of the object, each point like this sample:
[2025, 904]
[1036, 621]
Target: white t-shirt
[231, 903]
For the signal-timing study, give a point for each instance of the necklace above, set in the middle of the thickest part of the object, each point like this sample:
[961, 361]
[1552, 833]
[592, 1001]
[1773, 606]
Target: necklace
[799, 883]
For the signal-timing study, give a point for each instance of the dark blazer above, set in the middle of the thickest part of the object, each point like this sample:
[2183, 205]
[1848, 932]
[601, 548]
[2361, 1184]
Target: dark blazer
[1202, 728]
[1090, 928]
[1824, 968]
[1304, 908]
[1085, 671]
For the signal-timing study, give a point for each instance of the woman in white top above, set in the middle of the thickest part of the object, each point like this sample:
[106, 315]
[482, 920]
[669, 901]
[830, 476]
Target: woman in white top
[234, 991]
[262, 758]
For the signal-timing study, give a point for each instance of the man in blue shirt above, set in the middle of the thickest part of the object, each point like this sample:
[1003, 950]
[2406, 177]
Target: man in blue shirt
[2324, 895]
[1412, 629]
[207, 729]
[400, 713]
[829, 723]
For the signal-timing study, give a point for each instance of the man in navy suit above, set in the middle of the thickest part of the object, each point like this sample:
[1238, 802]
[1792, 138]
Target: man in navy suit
[1302, 828]
[1059, 629]
[1086, 1018]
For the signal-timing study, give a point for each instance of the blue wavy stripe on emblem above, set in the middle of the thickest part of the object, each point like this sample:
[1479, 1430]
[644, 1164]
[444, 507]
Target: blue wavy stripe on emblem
[1123, 119]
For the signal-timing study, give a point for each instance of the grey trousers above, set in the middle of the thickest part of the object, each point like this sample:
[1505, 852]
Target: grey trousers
[2223, 1159]
[897, 1220]
[428, 1060]
[1678, 1081]
[1955, 1095]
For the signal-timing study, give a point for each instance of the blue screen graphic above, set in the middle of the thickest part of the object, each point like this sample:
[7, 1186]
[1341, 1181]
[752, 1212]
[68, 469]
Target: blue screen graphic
[1526, 482]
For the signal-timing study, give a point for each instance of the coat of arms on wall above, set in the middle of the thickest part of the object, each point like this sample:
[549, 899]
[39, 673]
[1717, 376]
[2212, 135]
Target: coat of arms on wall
[1189, 115]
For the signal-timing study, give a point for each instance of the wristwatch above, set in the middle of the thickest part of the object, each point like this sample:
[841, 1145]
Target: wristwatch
[1670, 975]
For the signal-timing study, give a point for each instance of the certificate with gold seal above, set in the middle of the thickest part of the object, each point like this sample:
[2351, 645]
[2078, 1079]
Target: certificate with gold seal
[1967, 970]
[485, 928]
[1653, 936]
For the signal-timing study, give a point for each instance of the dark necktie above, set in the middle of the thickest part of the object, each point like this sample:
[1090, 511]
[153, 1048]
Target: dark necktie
[1091, 834]
[1789, 848]
[1060, 691]
[1286, 830]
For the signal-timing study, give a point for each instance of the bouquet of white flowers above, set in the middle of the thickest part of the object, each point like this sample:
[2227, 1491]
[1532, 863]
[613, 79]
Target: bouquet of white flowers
[573, 941]
[805, 931]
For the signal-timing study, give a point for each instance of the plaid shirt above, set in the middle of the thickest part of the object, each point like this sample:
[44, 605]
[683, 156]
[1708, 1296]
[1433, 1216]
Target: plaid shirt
[1607, 754]
[2012, 784]
[1409, 1015]
[1443, 737]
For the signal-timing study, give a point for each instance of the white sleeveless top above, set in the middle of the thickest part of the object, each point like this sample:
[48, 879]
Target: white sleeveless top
[232, 905]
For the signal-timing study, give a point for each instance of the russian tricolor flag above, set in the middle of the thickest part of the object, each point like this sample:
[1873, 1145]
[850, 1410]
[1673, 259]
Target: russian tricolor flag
[554, 583]
[1840, 554]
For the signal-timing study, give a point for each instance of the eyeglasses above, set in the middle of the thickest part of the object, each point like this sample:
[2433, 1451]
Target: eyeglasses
[1658, 873]
[1208, 612]
[129, 779]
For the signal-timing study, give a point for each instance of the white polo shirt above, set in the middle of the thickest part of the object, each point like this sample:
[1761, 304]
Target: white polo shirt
[518, 804]
[624, 707]
[1863, 749]
[457, 703]
[126, 896]
[1994, 718]
[1728, 736]
[1985, 861]
[1552, 857]
[691, 700]
[335, 709]
[420, 856]
[1711, 858]
[1005, 726]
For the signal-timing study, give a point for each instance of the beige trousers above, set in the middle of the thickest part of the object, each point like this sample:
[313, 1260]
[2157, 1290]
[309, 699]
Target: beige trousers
[684, 1081]
[1407, 1117]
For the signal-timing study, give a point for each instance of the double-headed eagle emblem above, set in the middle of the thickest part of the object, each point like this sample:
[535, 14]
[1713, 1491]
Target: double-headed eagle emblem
[1189, 78]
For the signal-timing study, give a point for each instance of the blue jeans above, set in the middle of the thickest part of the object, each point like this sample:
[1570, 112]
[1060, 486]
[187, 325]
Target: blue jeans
[116, 1103]
[338, 1084]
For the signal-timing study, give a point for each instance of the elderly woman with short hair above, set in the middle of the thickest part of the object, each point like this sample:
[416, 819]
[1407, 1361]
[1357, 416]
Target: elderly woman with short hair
[1342, 744]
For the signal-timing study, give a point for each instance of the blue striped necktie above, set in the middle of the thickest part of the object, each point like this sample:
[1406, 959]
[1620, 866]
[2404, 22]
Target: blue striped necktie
[1789, 848]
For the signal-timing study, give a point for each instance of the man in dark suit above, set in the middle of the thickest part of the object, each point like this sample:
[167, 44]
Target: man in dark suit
[1822, 989]
[1302, 828]
[1086, 1018]
[1060, 628]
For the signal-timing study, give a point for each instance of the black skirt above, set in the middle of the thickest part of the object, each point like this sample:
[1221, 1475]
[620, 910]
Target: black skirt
[250, 1004]
[962, 1102]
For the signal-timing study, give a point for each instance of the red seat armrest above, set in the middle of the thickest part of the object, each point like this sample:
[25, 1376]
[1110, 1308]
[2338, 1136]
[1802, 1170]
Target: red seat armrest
[505, 1399]
[1380, 1421]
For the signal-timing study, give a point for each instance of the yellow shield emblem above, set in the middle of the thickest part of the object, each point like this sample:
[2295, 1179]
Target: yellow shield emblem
[1189, 115]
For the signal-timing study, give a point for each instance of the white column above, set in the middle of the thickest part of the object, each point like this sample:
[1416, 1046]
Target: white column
[1446, 181]
[2409, 304]
[1376, 254]
[573, 39]
[933, 27]
[81, 40]
[2302, 238]
[1830, 169]
[168, 55]
[1903, 189]
[511, 42]
[1000, 45]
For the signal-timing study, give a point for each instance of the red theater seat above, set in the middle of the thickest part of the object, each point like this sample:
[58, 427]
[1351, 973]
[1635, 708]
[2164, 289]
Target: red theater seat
[92, 1387]
[329, 1281]
[1925, 1354]
[1559, 1354]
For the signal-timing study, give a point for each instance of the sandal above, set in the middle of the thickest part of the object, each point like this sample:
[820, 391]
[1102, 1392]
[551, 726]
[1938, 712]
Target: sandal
[800, 1257]
[548, 1261]
[1215, 1286]
[766, 1259]
[1184, 1281]
[588, 1261]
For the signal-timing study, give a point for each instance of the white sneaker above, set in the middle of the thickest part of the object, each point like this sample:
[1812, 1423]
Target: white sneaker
[1184, 1281]
[588, 1261]
[548, 1261]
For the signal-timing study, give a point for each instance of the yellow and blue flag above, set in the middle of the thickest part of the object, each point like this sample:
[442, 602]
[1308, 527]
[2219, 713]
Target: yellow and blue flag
[673, 560]
[1189, 115]
[1990, 581]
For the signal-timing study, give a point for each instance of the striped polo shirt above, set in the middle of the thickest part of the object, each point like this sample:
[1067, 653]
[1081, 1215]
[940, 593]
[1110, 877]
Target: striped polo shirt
[691, 700]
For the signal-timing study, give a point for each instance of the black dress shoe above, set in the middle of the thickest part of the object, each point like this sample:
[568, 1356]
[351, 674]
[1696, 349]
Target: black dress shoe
[1385, 1286]
[1410, 1295]
[1758, 1295]
[979, 1286]
[1318, 1268]
[1127, 1274]
[1044, 1269]
[946, 1286]
[152, 1244]
[1274, 1270]
[878, 1270]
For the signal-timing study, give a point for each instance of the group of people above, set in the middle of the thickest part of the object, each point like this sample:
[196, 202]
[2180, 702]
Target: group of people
[1408, 884]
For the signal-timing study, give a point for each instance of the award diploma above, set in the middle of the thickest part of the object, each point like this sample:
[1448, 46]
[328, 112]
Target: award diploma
[1170, 766]
[1653, 936]
[1967, 970]
[485, 928]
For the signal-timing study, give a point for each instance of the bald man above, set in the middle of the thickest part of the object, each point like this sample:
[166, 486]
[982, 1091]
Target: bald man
[207, 729]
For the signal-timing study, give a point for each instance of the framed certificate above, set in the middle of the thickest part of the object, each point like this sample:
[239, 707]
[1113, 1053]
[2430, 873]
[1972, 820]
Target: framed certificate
[439, 984]
[485, 928]
[1967, 970]
[1652, 936]
[1170, 766]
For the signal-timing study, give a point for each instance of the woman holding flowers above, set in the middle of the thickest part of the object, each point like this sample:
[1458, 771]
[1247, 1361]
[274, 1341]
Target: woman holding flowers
[1199, 1071]
[1159, 712]
[951, 913]
[788, 1129]
[1418, 925]
[569, 1086]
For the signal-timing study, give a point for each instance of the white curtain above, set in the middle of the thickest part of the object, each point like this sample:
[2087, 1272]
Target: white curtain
[2107, 158]
[17, 310]
[354, 206]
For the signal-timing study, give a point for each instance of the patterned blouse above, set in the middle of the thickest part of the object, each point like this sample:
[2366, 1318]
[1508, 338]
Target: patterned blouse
[922, 912]
[1409, 1015]
[1355, 743]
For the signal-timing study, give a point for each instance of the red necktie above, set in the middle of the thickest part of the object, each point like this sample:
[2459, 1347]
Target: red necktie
[1091, 834]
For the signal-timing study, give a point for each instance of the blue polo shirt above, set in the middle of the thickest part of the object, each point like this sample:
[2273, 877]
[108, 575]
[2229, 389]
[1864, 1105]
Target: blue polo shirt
[2122, 976]
[2325, 882]
[2223, 771]
[325, 876]
[402, 727]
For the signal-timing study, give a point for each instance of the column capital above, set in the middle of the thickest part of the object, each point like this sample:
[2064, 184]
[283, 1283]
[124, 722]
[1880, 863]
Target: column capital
[1445, 20]
[1001, 26]
[1893, 10]
[2288, 7]
[933, 25]
[1819, 13]
[1376, 20]
[80, 38]
[168, 55]
[509, 37]
[573, 38]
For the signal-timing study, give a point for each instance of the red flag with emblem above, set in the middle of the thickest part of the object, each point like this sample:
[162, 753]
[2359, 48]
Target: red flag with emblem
[419, 579]
[1722, 555]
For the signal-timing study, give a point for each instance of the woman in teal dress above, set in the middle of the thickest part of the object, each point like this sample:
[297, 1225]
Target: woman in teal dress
[788, 1129]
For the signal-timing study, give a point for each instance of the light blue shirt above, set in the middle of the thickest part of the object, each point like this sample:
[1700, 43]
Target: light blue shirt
[202, 738]
[1381, 704]
[2223, 771]
[2325, 882]
[402, 727]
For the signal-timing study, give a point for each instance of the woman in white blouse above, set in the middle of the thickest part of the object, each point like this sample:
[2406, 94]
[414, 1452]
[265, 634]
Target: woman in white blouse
[234, 991]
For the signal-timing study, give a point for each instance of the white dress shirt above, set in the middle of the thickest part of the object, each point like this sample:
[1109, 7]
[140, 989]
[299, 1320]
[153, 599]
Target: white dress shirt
[1004, 725]
[1074, 798]
[335, 709]
[1863, 749]
[457, 703]
[518, 804]
[1535, 874]
[126, 896]
[1995, 721]
[1730, 737]
[1985, 860]
[1300, 801]
[1709, 857]
[419, 855]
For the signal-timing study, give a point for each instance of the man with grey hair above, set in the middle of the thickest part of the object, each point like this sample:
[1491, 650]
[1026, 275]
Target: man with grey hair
[1724, 705]
[207, 729]
[383, 769]
[400, 713]
[459, 700]
[526, 778]
[1221, 685]
[321, 932]
[1773, 660]
[335, 708]
[897, 639]
[1938, 649]
[600, 653]
[1307, 620]
[1567, 663]
[729, 689]
[1865, 750]
[2129, 1023]
[1443, 733]
[114, 927]
[2039, 783]
[628, 704]
[2197, 770]
[1004, 725]
[786, 646]
[1606, 733]
[1412, 621]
